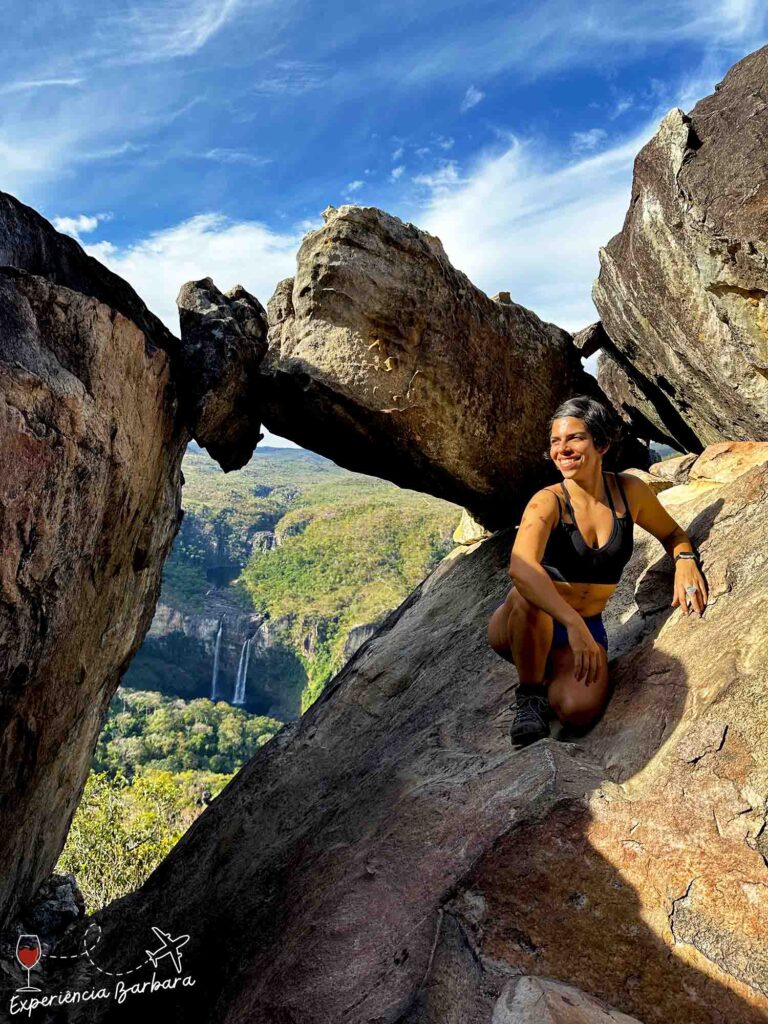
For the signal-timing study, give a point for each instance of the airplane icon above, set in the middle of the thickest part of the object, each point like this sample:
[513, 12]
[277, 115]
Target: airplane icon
[170, 947]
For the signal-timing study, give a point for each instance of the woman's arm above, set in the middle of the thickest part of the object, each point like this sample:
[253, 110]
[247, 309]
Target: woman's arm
[533, 582]
[651, 515]
[535, 585]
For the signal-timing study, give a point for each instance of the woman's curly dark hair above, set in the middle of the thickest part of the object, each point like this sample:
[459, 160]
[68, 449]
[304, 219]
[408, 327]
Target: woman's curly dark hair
[602, 423]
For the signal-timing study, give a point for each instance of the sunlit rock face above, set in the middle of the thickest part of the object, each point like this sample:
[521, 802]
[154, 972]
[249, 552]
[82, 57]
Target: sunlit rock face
[683, 288]
[389, 857]
[93, 426]
[90, 491]
[385, 358]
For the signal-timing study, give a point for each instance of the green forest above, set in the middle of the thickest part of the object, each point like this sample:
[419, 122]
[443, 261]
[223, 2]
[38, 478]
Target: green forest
[346, 550]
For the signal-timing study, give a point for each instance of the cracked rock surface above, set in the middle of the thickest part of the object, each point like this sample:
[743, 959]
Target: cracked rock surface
[90, 492]
[683, 288]
[223, 340]
[92, 433]
[389, 857]
[386, 359]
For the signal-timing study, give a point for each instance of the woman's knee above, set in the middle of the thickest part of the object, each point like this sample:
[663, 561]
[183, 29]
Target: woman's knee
[521, 609]
[497, 630]
[572, 712]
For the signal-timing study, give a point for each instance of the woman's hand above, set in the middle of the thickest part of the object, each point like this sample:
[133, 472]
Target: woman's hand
[687, 575]
[586, 652]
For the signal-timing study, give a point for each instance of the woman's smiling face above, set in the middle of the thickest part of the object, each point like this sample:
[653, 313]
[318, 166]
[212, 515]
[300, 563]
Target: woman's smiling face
[571, 446]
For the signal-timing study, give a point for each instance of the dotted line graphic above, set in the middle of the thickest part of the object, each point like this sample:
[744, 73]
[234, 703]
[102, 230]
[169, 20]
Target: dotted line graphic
[86, 951]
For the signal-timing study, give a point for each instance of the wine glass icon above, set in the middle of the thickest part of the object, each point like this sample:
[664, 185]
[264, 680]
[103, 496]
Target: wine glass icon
[28, 952]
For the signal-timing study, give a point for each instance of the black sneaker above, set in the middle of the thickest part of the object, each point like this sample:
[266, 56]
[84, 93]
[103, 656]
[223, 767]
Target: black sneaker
[531, 720]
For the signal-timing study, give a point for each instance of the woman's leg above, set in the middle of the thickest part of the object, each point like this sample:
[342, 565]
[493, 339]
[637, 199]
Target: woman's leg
[570, 699]
[522, 633]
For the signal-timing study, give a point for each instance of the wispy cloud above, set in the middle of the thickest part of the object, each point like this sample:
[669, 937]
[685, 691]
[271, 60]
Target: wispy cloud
[40, 83]
[354, 186]
[397, 172]
[530, 39]
[208, 245]
[512, 222]
[291, 78]
[445, 178]
[150, 31]
[622, 106]
[523, 218]
[586, 142]
[472, 97]
[236, 156]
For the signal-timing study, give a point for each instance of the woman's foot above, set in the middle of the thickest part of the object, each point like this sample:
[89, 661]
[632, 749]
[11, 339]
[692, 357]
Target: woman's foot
[531, 721]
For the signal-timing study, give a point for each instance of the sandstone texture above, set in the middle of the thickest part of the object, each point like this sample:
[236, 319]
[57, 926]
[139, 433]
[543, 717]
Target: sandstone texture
[385, 358]
[656, 483]
[90, 493]
[542, 1001]
[654, 418]
[591, 339]
[728, 460]
[683, 289]
[92, 406]
[388, 857]
[675, 470]
[468, 531]
[223, 340]
[29, 242]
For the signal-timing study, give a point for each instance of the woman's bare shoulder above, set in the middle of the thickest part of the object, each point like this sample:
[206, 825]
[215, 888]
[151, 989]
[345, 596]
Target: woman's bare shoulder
[542, 500]
[635, 489]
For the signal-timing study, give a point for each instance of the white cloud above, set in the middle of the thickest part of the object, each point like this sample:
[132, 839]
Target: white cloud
[150, 31]
[236, 156]
[530, 39]
[354, 186]
[443, 179]
[514, 223]
[585, 142]
[208, 245]
[622, 106]
[83, 224]
[471, 98]
[41, 83]
[530, 221]
[398, 153]
[291, 78]
[397, 172]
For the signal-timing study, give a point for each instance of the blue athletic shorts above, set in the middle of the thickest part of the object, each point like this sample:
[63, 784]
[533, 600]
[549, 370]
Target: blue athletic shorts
[594, 625]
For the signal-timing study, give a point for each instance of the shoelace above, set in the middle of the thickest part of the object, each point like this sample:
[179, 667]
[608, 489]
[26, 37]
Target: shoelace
[530, 714]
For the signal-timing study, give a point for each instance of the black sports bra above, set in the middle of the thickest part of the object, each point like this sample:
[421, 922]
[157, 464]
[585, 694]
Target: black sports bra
[567, 557]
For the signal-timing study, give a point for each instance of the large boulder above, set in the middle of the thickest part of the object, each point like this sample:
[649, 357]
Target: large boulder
[683, 288]
[94, 425]
[90, 491]
[29, 242]
[223, 340]
[388, 857]
[385, 358]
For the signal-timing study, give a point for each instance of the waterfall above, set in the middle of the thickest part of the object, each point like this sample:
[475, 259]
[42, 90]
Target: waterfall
[215, 679]
[242, 672]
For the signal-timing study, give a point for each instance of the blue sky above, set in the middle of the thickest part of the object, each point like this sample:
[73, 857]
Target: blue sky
[204, 137]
